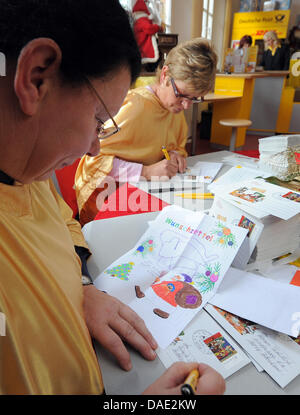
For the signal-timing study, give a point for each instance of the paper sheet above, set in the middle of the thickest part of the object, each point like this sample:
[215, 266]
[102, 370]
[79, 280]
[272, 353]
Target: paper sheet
[270, 303]
[244, 161]
[277, 353]
[236, 174]
[232, 215]
[265, 197]
[203, 340]
[202, 172]
[173, 270]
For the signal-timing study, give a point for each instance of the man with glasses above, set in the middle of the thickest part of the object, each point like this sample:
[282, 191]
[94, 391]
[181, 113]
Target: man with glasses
[52, 109]
[151, 117]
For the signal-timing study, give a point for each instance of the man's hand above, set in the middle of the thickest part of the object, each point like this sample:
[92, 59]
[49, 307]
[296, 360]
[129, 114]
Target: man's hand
[210, 381]
[110, 321]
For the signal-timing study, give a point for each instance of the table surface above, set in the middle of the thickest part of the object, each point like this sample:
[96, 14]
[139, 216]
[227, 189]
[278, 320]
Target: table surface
[123, 233]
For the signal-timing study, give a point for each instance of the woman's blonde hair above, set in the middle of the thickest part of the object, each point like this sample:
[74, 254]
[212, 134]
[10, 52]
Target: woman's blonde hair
[271, 35]
[193, 62]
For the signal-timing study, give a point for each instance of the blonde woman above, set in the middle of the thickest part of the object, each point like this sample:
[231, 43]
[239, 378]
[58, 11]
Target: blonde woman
[276, 56]
[151, 117]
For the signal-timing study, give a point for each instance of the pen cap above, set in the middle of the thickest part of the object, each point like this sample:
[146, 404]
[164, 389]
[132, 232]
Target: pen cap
[187, 390]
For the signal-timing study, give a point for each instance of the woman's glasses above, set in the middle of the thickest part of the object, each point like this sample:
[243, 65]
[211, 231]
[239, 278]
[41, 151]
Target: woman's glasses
[194, 100]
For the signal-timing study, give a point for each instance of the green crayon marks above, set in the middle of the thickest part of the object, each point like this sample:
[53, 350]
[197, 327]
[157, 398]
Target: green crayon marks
[145, 248]
[205, 282]
[121, 271]
[225, 237]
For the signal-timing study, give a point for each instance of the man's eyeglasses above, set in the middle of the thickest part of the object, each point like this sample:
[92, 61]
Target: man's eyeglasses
[102, 131]
[194, 100]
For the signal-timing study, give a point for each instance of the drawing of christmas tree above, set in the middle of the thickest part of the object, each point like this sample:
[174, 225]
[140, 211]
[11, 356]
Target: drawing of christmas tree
[121, 271]
[145, 248]
[206, 282]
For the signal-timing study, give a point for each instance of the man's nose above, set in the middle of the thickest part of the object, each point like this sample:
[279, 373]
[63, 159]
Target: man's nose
[94, 149]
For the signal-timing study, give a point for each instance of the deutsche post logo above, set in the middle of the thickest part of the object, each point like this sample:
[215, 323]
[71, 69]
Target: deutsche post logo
[279, 17]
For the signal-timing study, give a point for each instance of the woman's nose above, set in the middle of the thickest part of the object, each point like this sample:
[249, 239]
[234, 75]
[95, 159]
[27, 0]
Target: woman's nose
[186, 104]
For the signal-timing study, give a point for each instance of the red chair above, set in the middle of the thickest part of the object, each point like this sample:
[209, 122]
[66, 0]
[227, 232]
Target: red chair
[249, 153]
[129, 200]
[65, 179]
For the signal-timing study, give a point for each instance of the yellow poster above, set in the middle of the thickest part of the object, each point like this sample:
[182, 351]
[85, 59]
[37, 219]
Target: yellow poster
[251, 59]
[256, 24]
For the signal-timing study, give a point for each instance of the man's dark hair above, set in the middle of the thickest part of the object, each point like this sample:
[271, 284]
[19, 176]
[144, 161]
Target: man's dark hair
[95, 36]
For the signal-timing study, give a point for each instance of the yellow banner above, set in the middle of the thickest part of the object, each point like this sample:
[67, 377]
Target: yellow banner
[256, 24]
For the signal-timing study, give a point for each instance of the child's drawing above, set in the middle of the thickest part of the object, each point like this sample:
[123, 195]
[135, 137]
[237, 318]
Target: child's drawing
[225, 237]
[173, 269]
[177, 293]
[205, 282]
[173, 253]
[145, 248]
[121, 271]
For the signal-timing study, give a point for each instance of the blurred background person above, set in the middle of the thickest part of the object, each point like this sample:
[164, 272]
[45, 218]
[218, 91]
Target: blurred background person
[276, 56]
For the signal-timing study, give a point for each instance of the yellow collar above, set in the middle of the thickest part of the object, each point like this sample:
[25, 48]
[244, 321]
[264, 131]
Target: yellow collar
[274, 50]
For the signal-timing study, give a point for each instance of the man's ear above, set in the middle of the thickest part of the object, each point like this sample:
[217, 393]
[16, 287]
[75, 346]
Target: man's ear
[39, 61]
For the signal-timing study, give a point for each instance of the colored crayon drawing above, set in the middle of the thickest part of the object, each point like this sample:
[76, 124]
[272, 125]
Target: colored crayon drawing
[225, 237]
[145, 248]
[178, 293]
[121, 271]
[205, 282]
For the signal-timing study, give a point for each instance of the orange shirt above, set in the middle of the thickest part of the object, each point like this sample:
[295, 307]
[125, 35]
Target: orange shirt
[47, 348]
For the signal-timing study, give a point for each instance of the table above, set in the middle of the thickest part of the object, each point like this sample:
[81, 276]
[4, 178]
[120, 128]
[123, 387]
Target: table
[247, 381]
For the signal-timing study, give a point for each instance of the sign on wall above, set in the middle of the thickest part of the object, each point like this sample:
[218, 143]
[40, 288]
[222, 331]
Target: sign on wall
[256, 24]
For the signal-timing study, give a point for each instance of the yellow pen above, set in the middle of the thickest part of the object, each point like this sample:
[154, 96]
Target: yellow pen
[195, 195]
[165, 151]
[190, 383]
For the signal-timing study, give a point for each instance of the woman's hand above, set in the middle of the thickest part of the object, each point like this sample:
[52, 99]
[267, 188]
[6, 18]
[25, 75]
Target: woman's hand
[163, 170]
[180, 160]
[210, 381]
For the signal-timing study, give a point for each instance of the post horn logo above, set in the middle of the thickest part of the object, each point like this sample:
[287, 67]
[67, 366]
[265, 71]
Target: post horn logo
[279, 17]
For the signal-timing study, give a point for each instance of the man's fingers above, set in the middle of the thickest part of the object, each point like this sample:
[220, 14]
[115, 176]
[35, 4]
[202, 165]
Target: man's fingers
[137, 335]
[112, 342]
[138, 323]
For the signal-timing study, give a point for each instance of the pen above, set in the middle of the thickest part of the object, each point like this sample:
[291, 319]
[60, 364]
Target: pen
[164, 190]
[190, 383]
[195, 195]
[165, 151]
